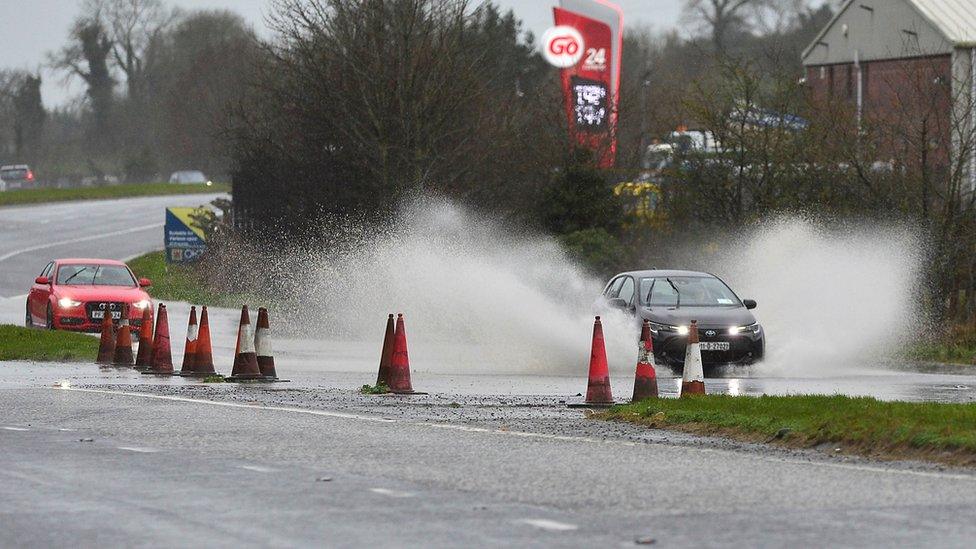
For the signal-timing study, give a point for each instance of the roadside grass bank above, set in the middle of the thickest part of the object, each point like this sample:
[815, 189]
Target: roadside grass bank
[958, 346]
[935, 432]
[20, 343]
[181, 283]
[37, 196]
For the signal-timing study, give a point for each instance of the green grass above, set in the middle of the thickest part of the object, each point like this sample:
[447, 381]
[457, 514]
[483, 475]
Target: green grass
[180, 282]
[35, 196]
[888, 430]
[379, 389]
[949, 353]
[19, 343]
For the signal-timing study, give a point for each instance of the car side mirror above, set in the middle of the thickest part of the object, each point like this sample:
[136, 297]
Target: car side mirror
[618, 303]
[750, 304]
[42, 280]
[145, 283]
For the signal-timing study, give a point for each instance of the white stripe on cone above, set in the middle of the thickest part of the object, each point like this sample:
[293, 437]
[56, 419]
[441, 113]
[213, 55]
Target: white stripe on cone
[247, 339]
[262, 341]
[192, 331]
[693, 364]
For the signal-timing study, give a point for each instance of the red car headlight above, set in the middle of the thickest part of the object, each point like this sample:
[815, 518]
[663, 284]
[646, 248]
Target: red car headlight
[68, 303]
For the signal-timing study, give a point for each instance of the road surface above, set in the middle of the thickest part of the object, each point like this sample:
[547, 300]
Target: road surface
[111, 229]
[121, 463]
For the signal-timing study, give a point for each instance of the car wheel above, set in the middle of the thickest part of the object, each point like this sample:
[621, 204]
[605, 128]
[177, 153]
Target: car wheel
[50, 318]
[28, 321]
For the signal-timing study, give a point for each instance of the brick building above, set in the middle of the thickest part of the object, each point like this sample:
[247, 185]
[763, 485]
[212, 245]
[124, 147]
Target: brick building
[909, 65]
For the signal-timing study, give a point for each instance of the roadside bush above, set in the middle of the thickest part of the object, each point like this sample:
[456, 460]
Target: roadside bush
[596, 249]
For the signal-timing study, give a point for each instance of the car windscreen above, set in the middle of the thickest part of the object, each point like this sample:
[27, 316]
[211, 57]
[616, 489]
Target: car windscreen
[95, 275]
[693, 291]
[14, 174]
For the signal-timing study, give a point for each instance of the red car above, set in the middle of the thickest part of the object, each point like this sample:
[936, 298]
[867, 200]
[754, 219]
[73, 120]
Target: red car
[75, 294]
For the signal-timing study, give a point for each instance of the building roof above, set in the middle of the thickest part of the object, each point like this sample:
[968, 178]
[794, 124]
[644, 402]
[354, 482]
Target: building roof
[955, 20]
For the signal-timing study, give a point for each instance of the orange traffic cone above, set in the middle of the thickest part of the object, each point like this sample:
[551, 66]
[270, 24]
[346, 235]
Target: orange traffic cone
[123, 342]
[598, 386]
[262, 345]
[245, 359]
[693, 376]
[386, 355]
[144, 357]
[399, 376]
[645, 380]
[162, 354]
[106, 346]
[190, 349]
[203, 363]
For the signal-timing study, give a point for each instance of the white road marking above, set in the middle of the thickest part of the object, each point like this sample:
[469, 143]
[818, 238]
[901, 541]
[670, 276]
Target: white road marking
[391, 493]
[81, 239]
[16, 429]
[562, 438]
[139, 450]
[551, 525]
[259, 469]
[325, 413]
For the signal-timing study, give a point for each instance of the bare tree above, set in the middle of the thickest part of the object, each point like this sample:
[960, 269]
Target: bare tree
[135, 28]
[722, 18]
[87, 56]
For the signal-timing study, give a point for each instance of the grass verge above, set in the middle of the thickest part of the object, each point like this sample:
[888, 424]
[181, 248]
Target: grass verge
[180, 283]
[948, 353]
[956, 346]
[943, 433]
[20, 343]
[36, 196]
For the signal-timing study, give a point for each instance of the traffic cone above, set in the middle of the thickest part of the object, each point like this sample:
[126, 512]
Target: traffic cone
[399, 376]
[144, 357]
[203, 363]
[106, 346]
[386, 356]
[123, 341]
[245, 359]
[693, 377]
[645, 380]
[262, 345]
[598, 386]
[190, 349]
[162, 354]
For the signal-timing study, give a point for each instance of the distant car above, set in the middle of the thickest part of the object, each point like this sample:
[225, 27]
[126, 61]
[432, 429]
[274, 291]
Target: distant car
[76, 294]
[670, 300]
[17, 176]
[190, 177]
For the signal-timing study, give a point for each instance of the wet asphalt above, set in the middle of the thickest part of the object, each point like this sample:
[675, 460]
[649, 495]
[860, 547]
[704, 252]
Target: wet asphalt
[121, 458]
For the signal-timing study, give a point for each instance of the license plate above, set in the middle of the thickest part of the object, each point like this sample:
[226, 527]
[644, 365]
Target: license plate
[715, 346]
[101, 314]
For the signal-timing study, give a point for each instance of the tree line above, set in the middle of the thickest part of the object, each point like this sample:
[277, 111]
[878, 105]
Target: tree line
[159, 85]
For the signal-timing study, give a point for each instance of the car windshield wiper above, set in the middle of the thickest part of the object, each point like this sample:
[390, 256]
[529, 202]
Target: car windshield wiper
[74, 275]
[676, 293]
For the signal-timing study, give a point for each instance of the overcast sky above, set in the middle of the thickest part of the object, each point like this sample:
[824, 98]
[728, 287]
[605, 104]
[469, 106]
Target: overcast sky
[31, 28]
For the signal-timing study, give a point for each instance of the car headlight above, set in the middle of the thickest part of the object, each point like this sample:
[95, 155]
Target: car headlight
[656, 327]
[68, 303]
[750, 329]
[142, 304]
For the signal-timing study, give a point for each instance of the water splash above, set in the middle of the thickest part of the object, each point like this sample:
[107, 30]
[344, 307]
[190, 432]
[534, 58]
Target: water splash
[482, 297]
[833, 300]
